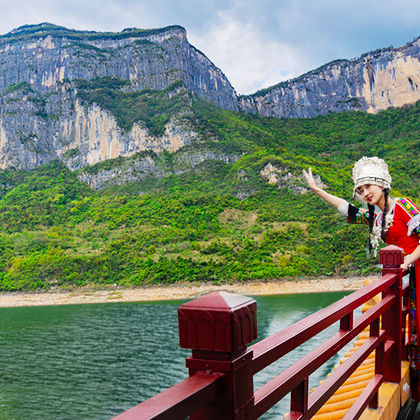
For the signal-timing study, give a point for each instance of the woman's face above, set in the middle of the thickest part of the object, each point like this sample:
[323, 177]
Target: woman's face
[372, 194]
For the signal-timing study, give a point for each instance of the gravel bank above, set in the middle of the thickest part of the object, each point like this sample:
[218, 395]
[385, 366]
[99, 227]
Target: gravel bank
[179, 291]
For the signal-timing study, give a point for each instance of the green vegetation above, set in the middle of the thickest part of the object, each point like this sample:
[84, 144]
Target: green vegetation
[25, 87]
[45, 29]
[339, 138]
[217, 222]
[71, 153]
[152, 108]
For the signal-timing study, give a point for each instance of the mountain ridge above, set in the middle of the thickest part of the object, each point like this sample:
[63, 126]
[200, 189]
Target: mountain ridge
[377, 80]
[43, 117]
[46, 28]
[84, 97]
[330, 63]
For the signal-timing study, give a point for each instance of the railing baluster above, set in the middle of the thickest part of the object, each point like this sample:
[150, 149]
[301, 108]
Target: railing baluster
[299, 398]
[379, 359]
[346, 323]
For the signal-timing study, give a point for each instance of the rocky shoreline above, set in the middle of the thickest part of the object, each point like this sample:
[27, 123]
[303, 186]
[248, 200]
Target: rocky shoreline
[179, 291]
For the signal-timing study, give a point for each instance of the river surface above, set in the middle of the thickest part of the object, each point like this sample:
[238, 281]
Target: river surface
[95, 361]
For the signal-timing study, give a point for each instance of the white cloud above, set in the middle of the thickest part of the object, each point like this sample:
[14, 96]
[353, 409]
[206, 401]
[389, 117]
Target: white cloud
[93, 15]
[249, 59]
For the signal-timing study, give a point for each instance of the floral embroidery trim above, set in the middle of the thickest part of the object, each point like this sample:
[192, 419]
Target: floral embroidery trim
[409, 207]
[375, 236]
[363, 216]
[414, 223]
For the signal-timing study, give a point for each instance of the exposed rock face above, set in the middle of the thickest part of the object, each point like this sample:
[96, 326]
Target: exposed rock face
[374, 82]
[42, 118]
[135, 169]
[281, 177]
[149, 165]
[92, 136]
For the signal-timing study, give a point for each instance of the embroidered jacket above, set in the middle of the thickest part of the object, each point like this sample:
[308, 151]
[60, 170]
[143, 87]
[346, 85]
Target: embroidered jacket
[403, 222]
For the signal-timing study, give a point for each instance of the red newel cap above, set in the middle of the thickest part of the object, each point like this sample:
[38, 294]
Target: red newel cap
[391, 255]
[219, 321]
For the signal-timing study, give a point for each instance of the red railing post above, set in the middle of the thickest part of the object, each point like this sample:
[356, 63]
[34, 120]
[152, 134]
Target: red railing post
[299, 398]
[218, 327]
[391, 257]
[379, 359]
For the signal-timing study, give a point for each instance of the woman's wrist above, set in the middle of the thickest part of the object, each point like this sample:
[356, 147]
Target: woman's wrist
[407, 262]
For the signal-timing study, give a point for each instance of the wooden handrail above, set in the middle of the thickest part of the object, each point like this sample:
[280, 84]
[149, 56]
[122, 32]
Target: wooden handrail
[219, 326]
[273, 391]
[179, 401]
[272, 348]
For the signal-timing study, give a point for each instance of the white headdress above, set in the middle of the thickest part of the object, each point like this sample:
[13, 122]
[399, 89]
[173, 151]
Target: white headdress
[370, 170]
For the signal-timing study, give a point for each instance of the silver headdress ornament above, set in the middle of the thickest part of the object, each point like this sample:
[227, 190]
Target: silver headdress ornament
[370, 170]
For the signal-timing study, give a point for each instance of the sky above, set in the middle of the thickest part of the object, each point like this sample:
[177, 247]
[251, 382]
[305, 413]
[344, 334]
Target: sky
[256, 43]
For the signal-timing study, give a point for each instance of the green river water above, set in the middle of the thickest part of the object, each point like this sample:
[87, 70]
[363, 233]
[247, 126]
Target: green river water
[95, 361]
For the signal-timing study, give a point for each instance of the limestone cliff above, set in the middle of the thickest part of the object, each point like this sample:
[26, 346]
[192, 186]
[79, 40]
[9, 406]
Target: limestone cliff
[376, 81]
[42, 117]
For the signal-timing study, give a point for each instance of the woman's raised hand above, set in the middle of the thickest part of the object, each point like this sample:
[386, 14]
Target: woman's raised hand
[310, 179]
[337, 202]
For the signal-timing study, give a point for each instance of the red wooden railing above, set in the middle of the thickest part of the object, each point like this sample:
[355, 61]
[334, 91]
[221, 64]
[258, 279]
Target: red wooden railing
[219, 326]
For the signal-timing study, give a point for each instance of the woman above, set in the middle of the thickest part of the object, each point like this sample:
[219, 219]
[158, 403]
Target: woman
[397, 223]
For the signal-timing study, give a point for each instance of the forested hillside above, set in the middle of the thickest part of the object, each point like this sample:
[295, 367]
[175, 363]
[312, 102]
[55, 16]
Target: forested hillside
[246, 219]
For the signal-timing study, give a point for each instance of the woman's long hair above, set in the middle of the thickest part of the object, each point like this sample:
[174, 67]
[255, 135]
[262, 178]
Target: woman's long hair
[371, 220]
[385, 212]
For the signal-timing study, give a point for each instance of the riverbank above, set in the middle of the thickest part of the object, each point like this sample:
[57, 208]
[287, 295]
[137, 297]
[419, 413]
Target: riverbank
[178, 291]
